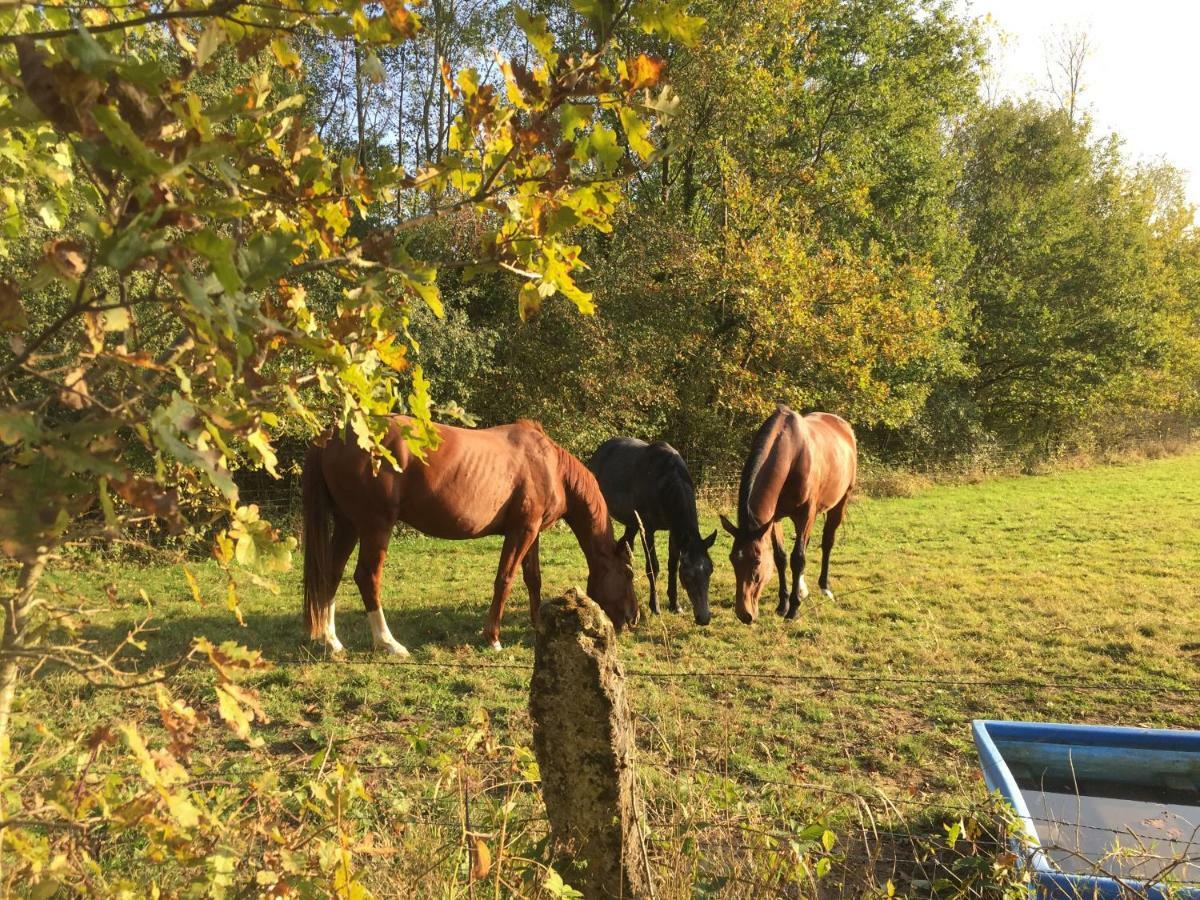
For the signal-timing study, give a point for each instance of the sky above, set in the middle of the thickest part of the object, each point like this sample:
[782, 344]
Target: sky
[1141, 79]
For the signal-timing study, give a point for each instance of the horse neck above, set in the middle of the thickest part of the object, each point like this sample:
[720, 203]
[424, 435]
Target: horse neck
[679, 504]
[764, 474]
[586, 514]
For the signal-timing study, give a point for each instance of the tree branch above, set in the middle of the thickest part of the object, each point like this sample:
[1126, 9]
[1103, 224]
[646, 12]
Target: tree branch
[217, 9]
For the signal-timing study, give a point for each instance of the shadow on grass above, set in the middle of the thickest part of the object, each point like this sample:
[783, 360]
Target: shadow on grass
[282, 638]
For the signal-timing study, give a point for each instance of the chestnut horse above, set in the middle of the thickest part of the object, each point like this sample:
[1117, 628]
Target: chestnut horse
[798, 468]
[510, 480]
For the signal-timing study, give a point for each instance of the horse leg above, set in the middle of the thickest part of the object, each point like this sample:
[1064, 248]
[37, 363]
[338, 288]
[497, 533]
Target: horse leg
[652, 568]
[631, 533]
[516, 543]
[672, 572]
[833, 519]
[531, 570]
[343, 541]
[804, 526]
[780, 566]
[368, 575]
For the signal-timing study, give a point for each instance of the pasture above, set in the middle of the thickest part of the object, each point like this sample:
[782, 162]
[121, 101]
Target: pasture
[1069, 597]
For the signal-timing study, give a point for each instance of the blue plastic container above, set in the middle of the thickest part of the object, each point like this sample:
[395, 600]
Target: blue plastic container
[1106, 809]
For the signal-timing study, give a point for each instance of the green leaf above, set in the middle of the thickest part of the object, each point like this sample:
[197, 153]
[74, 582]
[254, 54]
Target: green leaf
[669, 20]
[572, 117]
[118, 131]
[87, 54]
[17, 426]
[637, 132]
[266, 256]
[599, 13]
[605, 147]
[210, 41]
[529, 301]
[220, 252]
[540, 38]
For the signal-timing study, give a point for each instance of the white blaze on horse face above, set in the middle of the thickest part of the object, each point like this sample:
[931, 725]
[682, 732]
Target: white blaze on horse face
[331, 638]
[381, 635]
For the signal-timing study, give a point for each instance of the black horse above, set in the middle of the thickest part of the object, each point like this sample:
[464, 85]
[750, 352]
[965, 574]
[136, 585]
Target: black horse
[652, 482]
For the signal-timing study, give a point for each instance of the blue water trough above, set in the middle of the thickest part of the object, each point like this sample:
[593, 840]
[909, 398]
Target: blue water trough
[1109, 812]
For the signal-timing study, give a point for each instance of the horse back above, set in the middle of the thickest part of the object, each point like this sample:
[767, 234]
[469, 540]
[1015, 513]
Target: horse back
[832, 464]
[475, 482]
[632, 473]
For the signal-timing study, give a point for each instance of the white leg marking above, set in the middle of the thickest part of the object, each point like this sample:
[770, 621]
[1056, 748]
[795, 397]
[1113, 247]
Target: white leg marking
[381, 635]
[331, 638]
[495, 645]
[827, 593]
[803, 588]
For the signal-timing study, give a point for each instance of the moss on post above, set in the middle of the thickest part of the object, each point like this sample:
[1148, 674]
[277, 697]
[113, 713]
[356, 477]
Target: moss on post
[584, 742]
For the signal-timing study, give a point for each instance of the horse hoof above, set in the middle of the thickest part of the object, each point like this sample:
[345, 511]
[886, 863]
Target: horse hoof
[495, 645]
[335, 648]
[393, 649]
[674, 607]
[827, 593]
[781, 609]
[792, 613]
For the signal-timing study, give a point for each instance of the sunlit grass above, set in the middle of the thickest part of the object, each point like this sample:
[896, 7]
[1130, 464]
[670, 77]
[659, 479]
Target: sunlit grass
[1088, 578]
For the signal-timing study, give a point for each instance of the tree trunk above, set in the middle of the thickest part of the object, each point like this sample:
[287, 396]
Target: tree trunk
[359, 111]
[16, 622]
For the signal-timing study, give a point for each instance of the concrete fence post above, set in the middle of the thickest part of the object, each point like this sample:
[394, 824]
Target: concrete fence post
[584, 742]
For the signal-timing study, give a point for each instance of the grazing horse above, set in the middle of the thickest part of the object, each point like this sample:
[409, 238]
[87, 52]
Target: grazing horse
[798, 468]
[510, 480]
[651, 482]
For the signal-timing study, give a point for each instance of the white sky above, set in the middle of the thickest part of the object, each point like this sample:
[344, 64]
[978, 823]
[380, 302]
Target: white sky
[1140, 81]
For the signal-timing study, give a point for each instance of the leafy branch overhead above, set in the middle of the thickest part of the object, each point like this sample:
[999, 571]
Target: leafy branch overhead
[168, 210]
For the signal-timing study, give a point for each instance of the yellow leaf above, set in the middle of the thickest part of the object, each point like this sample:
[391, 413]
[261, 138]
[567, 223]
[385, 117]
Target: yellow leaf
[481, 858]
[194, 585]
[529, 301]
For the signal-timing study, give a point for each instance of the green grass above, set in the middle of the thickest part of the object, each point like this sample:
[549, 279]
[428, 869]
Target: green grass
[1083, 577]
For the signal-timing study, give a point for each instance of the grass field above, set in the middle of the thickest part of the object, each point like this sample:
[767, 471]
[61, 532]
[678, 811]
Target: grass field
[1089, 580]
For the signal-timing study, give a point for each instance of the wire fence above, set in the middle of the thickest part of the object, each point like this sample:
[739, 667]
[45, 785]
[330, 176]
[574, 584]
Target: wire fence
[894, 833]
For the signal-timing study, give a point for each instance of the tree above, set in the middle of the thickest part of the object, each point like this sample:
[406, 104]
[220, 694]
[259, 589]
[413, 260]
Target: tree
[807, 199]
[193, 271]
[1066, 58]
[1067, 303]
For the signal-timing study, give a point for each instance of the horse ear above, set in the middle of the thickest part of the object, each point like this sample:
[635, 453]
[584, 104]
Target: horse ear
[759, 533]
[728, 526]
[710, 540]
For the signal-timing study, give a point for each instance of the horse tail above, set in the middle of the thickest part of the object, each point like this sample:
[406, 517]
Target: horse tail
[318, 545]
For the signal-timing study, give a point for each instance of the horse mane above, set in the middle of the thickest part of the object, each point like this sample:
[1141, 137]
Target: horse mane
[760, 448]
[672, 461]
[587, 512]
[679, 499]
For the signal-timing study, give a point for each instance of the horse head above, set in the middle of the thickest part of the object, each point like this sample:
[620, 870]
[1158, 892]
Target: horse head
[753, 564]
[695, 571]
[610, 584]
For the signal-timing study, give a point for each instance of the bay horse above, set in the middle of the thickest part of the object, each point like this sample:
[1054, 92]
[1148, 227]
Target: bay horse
[651, 482]
[798, 467]
[510, 480]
